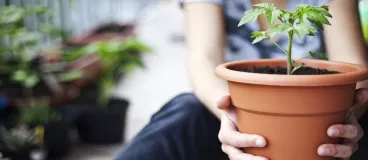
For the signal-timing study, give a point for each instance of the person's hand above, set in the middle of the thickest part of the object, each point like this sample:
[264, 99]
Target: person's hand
[231, 139]
[351, 132]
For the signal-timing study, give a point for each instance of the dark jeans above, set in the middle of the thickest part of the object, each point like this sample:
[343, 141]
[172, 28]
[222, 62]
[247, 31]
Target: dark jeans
[182, 130]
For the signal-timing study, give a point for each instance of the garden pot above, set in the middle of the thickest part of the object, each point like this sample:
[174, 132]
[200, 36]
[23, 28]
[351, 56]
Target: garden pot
[99, 125]
[106, 32]
[293, 112]
[22, 154]
[57, 141]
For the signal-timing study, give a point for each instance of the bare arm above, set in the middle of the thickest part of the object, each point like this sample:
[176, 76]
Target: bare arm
[344, 38]
[205, 40]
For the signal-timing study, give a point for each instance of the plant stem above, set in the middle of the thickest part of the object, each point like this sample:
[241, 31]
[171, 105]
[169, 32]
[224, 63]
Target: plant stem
[278, 46]
[289, 60]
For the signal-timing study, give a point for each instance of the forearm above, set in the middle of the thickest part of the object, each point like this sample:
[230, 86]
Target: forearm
[206, 86]
[205, 41]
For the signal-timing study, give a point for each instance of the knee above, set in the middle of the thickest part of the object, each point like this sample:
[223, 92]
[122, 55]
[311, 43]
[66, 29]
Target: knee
[187, 103]
[183, 105]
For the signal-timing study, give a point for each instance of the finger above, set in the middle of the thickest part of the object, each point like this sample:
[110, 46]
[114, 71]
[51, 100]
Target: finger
[229, 135]
[237, 154]
[337, 151]
[361, 96]
[349, 131]
[223, 102]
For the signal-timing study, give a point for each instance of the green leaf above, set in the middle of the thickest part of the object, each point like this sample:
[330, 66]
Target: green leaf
[69, 76]
[275, 15]
[130, 67]
[258, 36]
[19, 75]
[318, 55]
[297, 67]
[267, 6]
[26, 38]
[303, 29]
[11, 14]
[258, 39]
[279, 28]
[31, 81]
[251, 16]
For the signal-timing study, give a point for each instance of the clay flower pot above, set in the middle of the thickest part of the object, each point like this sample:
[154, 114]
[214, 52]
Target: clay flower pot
[293, 112]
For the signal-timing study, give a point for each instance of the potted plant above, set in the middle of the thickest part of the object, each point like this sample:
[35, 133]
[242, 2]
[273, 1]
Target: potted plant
[290, 103]
[104, 123]
[17, 143]
[56, 131]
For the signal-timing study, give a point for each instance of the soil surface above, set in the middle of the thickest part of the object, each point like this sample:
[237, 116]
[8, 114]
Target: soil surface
[281, 70]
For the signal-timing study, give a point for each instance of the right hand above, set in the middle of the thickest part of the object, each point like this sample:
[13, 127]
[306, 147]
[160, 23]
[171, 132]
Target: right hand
[232, 140]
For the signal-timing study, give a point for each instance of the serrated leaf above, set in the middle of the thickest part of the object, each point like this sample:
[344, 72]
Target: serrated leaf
[258, 39]
[283, 27]
[275, 15]
[251, 16]
[318, 55]
[11, 14]
[297, 67]
[268, 6]
[303, 29]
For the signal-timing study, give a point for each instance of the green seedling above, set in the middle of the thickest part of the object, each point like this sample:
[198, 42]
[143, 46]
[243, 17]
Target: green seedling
[304, 21]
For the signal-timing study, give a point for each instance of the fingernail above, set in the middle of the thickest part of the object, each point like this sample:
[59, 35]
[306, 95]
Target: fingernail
[260, 143]
[333, 132]
[326, 151]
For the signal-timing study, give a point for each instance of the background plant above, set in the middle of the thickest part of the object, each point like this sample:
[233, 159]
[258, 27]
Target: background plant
[16, 139]
[20, 47]
[36, 113]
[117, 57]
[304, 21]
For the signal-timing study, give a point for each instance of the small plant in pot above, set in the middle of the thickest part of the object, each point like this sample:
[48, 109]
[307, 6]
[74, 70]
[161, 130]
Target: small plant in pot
[289, 101]
[56, 134]
[19, 143]
[104, 122]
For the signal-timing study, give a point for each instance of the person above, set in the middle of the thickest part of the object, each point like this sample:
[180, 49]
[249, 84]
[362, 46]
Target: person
[192, 126]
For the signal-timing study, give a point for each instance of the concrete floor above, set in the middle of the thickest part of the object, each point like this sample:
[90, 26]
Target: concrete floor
[164, 77]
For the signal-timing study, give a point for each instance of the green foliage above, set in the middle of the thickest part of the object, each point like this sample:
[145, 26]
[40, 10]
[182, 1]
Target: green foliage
[32, 115]
[302, 22]
[20, 45]
[16, 139]
[318, 55]
[117, 57]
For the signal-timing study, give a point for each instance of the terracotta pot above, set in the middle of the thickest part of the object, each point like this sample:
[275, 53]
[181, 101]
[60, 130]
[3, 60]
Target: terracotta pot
[105, 32]
[293, 112]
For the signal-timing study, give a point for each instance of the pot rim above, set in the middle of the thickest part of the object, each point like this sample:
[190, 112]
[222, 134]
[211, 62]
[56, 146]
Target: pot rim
[355, 74]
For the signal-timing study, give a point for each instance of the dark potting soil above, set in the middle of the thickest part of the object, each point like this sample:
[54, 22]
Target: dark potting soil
[281, 70]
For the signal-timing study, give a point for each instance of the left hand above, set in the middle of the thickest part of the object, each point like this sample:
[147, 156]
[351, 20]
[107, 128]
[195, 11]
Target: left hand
[351, 132]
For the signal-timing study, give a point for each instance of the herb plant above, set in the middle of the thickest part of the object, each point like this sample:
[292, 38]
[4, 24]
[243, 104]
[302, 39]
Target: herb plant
[304, 21]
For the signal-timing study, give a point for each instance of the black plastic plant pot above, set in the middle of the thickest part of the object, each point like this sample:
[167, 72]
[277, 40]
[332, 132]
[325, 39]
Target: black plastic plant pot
[23, 154]
[57, 139]
[98, 125]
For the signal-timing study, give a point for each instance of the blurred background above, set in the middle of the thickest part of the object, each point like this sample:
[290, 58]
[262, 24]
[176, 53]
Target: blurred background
[79, 79]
